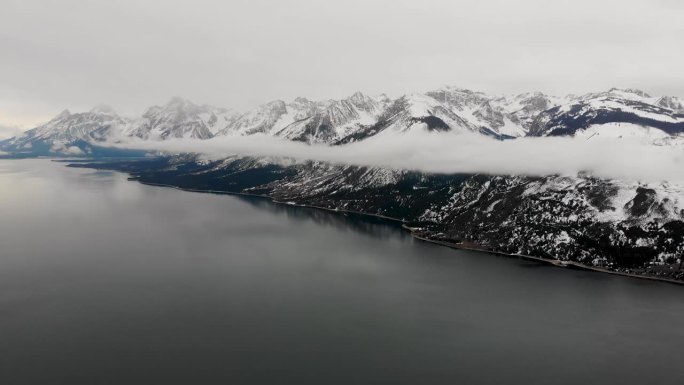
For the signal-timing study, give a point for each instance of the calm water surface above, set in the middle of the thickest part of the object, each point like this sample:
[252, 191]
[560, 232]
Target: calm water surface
[106, 281]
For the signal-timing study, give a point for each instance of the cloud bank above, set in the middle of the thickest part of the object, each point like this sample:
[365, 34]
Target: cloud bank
[9, 131]
[625, 159]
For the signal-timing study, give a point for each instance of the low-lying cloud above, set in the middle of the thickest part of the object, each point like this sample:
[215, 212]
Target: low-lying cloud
[613, 158]
[9, 131]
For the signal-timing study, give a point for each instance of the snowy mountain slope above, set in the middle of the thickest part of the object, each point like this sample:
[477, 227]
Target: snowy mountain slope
[96, 124]
[310, 121]
[180, 118]
[522, 109]
[672, 103]
[614, 114]
[615, 106]
[259, 120]
[335, 119]
[508, 116]
[632, 131]
[66, 133]
[417, 111]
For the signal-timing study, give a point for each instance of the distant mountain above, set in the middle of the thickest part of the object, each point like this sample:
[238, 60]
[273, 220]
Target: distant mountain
[614, 113]
[310, 121]
[68, 133]
[409, 112]
[629, 107]
[628, 227]
[671, 103]
[180, 118]
[508, 116]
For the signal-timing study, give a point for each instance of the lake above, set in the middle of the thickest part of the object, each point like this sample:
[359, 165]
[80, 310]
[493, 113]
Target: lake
[108, 281]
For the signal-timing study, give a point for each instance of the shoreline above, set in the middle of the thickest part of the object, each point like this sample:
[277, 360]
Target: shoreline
[551, 262]
[415, 235]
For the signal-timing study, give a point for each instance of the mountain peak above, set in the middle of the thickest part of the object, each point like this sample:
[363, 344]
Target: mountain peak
[455, 88]
[64, 114]
[634, 91]
[177, 102]
[102, 109]
[672, 103]
[358, 96]
[275, 105]
[301, 100]
[360, 116]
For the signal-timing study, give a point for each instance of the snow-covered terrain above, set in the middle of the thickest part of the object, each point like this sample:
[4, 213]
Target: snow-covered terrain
[180, 119]
[593, 179]
[664, 114]
[623, 131]
[615, 113]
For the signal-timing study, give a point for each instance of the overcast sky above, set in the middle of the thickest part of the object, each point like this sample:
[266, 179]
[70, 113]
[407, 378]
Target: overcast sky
[241, 53]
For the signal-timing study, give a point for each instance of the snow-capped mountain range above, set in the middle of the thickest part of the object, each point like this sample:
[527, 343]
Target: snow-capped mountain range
[614, 112]
[616, 225]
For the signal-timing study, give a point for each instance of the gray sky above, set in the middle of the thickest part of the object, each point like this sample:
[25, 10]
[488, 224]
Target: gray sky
[240, 53]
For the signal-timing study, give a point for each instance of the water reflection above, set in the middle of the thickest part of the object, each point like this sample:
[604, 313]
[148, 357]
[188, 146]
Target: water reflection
[363, 224]
[108, 281]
